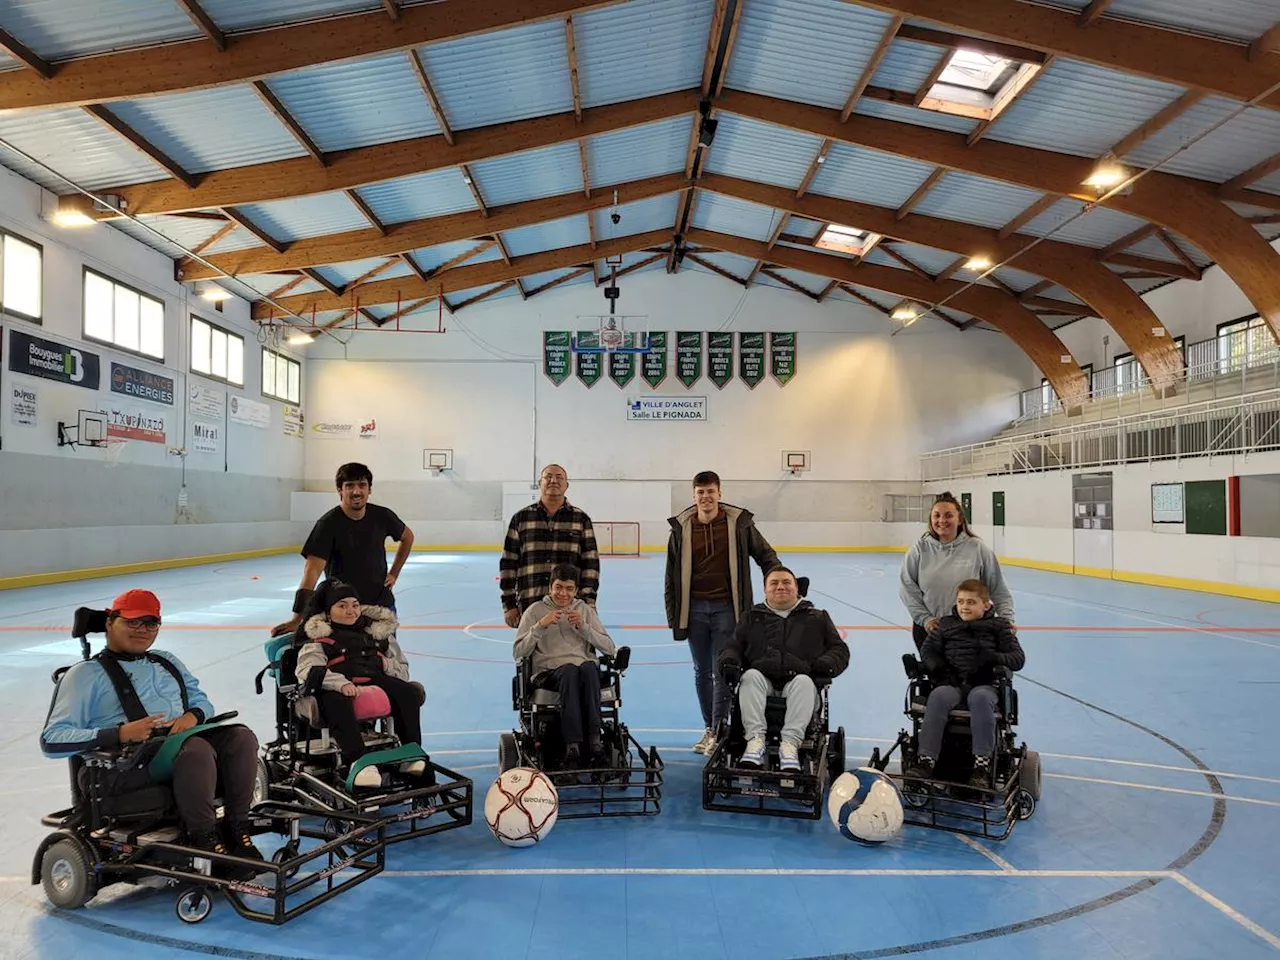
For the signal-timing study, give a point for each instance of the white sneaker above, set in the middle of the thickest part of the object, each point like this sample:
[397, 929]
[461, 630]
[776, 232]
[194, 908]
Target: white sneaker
[706, 744]
[368, 776]
[788, 756]
[753, 756]
[413, 768]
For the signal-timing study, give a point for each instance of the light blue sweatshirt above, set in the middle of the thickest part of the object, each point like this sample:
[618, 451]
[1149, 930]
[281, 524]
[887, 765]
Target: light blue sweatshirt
[932, 570]
[86, 712]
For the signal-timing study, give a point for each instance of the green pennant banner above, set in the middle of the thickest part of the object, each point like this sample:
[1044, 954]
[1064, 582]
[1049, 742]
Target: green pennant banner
[751, 358]
[720, 358]
[654, 363]
[622, 368]
[590, 365]
[555, 355]
[782, 356]
[689, 357]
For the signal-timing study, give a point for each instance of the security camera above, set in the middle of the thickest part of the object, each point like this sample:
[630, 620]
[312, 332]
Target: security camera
[616, 218]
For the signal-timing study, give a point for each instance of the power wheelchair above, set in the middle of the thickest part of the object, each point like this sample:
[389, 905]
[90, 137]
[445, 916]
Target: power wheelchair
[767, 790]
[947, 801]
[128, 837]
[628, 784]
[302, 764]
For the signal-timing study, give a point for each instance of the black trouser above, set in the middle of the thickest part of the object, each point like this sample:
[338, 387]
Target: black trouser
[221, 759]
[339, 713]
[579, 687]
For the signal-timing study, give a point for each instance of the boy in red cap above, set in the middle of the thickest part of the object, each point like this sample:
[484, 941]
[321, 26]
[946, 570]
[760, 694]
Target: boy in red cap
[92, 707]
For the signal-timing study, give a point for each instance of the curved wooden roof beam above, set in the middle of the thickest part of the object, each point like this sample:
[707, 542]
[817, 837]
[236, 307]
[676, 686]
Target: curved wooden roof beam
[1214, 66]
[1075, 268]
[198, 65]
[1185, 206]
[999, 309]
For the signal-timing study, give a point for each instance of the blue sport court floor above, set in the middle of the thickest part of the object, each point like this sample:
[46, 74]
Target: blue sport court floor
[1156, 713]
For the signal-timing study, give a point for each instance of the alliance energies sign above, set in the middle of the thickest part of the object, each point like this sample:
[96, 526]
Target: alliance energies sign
[144, 385]
[37, 357]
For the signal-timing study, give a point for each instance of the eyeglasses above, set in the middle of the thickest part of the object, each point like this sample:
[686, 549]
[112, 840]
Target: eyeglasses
[142, 623]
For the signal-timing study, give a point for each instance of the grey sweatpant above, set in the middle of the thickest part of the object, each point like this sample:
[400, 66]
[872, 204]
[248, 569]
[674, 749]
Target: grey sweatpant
[982, 719]
[801, 697]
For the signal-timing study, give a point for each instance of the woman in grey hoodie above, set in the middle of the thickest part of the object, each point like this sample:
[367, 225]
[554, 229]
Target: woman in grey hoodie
[561, 634]
[947, 554]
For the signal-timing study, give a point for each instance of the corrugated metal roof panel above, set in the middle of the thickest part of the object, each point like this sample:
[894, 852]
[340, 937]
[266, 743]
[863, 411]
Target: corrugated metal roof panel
[61, 29]
[1243, 20]
[232, 15]
[807, 50]
[722, 214]
[761, 151]
[927, 258]
[962, 196]
[888, 301]
[264, 283]
[1081, 109]
[1270, 184]
[738, 266]
[810, 281]
[1098, 228]
[639, 152]
[428, 258]
[1060, 293]
[869, 176]
[237, 239]
[211, 129]
[565, 232]
[498, 77]
[803, 227]
[810, 248]
[310, 216]
[1239, 144]
[547, 172]
[413, 198]
[185, 231]
[357, 102]
[535, 280]
[344, 273]
[1013, 277]
[77, 146]
[129, 228]
[640, 49]
[907, 65]
[1153, 248]
[461, 296]
[903, 113]
[656, 213]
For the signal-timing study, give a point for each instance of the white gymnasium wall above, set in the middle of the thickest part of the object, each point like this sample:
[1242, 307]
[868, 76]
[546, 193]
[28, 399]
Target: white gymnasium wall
[1038, 523]
[63, 509]
[863, 403]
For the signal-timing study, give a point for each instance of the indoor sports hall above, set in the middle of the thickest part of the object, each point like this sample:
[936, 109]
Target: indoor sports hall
[875, 263]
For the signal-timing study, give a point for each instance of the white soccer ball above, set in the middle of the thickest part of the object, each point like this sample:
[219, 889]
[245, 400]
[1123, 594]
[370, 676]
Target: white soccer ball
[521, 807]
[865, 806]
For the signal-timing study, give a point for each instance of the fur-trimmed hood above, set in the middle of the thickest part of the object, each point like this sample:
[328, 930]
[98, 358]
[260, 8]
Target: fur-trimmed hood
[378, 622]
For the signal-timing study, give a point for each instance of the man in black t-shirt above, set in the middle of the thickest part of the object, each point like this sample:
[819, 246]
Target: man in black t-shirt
[349, 543]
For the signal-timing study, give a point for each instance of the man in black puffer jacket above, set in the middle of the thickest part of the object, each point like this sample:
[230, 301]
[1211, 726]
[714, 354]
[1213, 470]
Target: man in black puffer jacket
[960, 656]
[779, 647]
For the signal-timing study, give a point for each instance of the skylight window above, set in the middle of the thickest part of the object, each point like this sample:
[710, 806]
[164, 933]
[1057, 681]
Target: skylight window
[977, 71]
[847, 239]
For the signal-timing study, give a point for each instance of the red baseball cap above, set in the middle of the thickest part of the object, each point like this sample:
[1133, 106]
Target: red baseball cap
[137, 603]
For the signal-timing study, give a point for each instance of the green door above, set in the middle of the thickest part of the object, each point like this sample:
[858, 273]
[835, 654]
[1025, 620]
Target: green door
[997, 508]
[966, 506]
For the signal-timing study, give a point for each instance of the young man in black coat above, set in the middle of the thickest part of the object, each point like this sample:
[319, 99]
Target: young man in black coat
[959, 655]
[779, 647]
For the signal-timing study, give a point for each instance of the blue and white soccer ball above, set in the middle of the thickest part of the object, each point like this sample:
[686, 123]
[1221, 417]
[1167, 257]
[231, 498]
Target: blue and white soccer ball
[865, 806]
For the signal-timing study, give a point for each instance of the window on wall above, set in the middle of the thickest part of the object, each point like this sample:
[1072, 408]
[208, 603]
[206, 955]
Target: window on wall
[1129, 376]
[281, 376]
[1242, 343]
[122, 316]
[216, 353]
[21, 277]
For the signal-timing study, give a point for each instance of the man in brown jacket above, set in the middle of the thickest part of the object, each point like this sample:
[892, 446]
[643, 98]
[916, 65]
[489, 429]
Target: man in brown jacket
[708, 588]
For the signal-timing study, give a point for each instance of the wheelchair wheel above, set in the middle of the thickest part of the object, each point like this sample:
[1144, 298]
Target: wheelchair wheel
[1026, 805]
[835, 754]
[508, 753]
[261, 782]
[1029, 775]
[193, 904]
[65, 875]
[284, 854]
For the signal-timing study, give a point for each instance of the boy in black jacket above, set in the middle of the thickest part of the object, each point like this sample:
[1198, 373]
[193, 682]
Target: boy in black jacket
[959, 655]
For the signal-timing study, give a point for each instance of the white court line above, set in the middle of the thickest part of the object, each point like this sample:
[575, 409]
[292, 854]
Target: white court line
[1149, 786]
[1161, 766]
[1258, 931]
[777, 872]
[1161, 623]
[991, 855]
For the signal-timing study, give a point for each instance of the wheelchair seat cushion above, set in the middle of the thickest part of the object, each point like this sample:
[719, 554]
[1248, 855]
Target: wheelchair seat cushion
[371, 702]
[542, 697]
[920, 703]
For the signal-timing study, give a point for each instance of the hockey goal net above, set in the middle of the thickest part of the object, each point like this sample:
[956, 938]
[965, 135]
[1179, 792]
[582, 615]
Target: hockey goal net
[617, 538]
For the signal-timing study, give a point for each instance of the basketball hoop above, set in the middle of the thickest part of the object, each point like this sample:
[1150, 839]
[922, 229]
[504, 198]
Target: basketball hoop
[112, 449]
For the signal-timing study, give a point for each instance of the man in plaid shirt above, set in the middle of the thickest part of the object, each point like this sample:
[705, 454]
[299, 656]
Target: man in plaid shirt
[542, 535]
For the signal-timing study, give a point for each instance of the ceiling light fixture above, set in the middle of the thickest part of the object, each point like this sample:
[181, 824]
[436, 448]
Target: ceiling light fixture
[978, 263]
[905, 314]
[71, 219]
[303, 338]
[214, 294]
[1107, 174]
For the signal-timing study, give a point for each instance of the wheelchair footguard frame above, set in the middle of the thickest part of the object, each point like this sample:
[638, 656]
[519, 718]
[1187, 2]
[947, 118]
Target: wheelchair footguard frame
[764, 792]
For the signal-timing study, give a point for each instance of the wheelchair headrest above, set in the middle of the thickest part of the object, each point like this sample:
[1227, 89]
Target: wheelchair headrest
[87, 620]
[802, 586]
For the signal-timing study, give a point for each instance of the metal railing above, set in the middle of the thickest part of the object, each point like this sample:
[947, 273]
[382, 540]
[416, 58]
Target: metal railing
[1239, 425]
[1246, 361]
